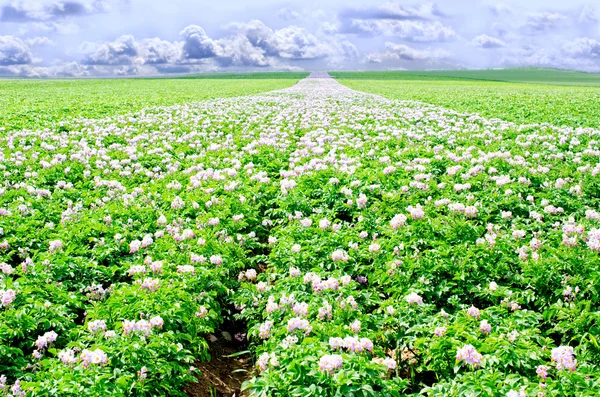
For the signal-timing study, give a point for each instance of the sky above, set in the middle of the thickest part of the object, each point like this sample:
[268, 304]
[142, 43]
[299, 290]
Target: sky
[75, 38]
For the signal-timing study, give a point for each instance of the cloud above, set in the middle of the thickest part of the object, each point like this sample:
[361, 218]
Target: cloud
[40, 10]
[14, 51]
[543, 21]
[292, 42]
[501, 9]
[402, 52]
[582, 48]
[485, 41]
[39, 41]
[288, 14]
[416, 31]
[581, 54]
[157, 51]
[59, 28]
[197, 44]
[587, 15]
[393, 10]
[122, 51]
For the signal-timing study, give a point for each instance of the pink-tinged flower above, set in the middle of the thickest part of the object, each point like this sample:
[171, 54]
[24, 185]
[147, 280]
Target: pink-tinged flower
[97, 325]
[147, 240]
[339, 256]
[469, 355]
[251, 274]
[271, 305]
[157, 322]
[416, 212]
[7, 297]
[4, 244]
[197, 258]
[325, 311]
[263, 361]
[300, 309]
[202, 311]
[542, 372]
[390, 310]
[324, 224]
[485, 327]
[177, 203]
[356, 345]
[45, 340]
[55, 245]
[493, 286]
[336, 343]
[473, 312]
[110, 334]
[296, 248]
[186, 269]
[156, 266]
[564, 357]
[151, 284]
[216, 260]
[439, 331]
[67, 357]
[414, 298]
[330, 362]
[307, 222]
[355, 326]
[443, 313]
[6, 268]
[295, 272]
[520, 393]
[161, 221]
[374, 248]
[128, 327]
[188, 234]
[299, 323]
[137, 269]
[95, 357]
[143, 373]
[135, 246]
[361, 201]
[471, 211]
[390, 363]
[398, 221]
[512, 336]
[264, 331]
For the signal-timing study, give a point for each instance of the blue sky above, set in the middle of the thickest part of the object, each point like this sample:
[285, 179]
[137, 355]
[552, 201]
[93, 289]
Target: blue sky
[149, 37]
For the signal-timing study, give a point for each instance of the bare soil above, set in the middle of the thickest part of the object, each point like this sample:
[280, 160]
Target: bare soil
[217, 377]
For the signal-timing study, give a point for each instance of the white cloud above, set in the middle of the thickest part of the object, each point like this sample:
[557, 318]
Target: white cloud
[402, 52]
[14, 51]
[39, 41]
[543, 21]
[583, 48]
[122, 51]
[288, 14]
[485, 41]
[409, 30]
[47, 10]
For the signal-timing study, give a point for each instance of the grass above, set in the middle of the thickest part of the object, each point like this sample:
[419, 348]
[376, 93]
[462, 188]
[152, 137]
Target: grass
[564, 105]
[527, 75]
[36, 104]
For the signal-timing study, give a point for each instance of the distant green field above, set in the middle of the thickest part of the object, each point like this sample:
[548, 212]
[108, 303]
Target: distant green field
[246, 76]
[541, 76]
[565, 105]
[35, 104]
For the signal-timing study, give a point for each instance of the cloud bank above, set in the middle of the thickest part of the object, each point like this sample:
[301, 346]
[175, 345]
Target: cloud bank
[147, 37]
